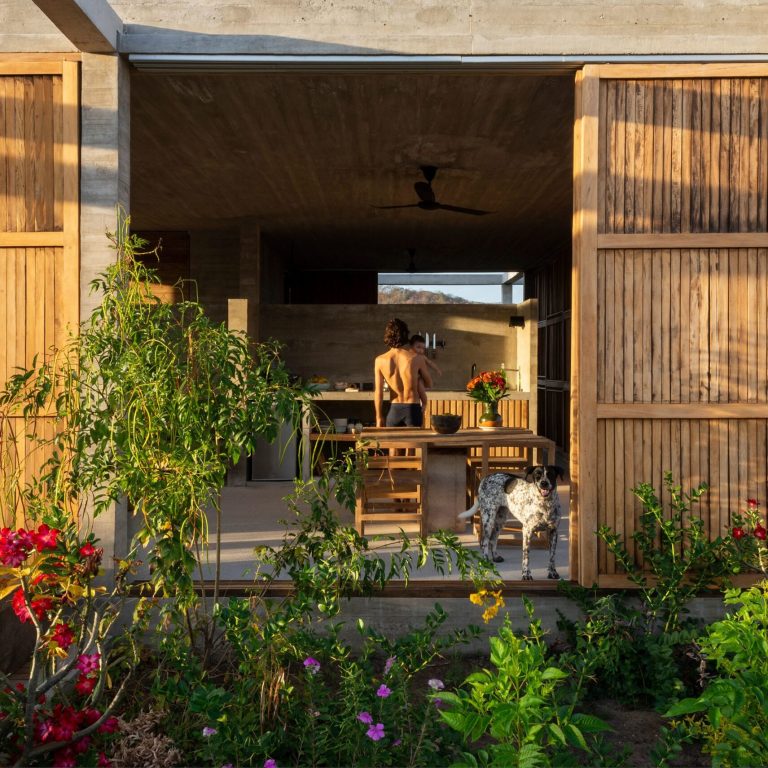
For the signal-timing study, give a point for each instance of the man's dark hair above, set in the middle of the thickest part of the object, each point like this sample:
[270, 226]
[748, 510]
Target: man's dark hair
[417, 338]
[396, 333]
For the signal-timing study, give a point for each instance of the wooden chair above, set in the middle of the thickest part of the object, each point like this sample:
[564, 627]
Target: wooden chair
[392, 488]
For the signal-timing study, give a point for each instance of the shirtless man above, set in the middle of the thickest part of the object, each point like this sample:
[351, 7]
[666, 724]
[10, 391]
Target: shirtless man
[401, 368]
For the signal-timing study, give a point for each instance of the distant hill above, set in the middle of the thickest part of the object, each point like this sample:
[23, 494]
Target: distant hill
[393, 294]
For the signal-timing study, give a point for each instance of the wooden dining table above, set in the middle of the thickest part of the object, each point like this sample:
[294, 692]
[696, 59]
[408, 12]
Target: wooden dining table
[444, 489]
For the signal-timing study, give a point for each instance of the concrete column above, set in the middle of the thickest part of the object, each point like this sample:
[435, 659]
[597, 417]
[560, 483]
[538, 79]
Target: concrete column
[250, 273]
[104, 183]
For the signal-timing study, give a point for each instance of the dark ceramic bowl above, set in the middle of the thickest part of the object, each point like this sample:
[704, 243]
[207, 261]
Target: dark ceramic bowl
[446, 423]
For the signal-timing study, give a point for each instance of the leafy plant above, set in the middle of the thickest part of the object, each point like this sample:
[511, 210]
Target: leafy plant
[731, 714]
[153, 403]
[678, 560]
[622, 656]
[521, 707]
[747, 539]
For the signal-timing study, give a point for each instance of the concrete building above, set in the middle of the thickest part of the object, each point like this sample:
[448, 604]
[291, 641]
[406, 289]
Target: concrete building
[621, 148]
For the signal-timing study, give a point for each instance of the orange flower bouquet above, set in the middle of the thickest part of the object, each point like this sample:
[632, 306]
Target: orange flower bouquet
[488, 387]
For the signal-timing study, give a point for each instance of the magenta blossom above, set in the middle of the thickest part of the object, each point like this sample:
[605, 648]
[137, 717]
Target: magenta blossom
[311, 665]
[397, 742]
[437, 702]
[383, 691]
[88, 663]
[208, 731]
[365, 717]
[388, 664]
[270, 763]
[436, 684]
[375, 732]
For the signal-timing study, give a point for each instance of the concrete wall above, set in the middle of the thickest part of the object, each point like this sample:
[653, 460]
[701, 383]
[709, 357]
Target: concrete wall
[215, 270]
[340, 342]
[25, 28]
[445, 26]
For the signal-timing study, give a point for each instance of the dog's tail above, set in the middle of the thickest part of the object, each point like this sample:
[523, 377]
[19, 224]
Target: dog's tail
[471, 511]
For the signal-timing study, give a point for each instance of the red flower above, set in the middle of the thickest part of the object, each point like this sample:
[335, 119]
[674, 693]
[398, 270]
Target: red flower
[63, 635]
[104, 761]
[87, 550]
[738, 532]
[40, 606]
[45, 537]
[85, 685]
[110, 725]
[15, 546]
[64, 758]
[759, 532]
[752, 503]
[81, 746]
[90, 716]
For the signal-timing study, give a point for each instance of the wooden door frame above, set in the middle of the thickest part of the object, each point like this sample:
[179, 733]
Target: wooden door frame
[585, 410]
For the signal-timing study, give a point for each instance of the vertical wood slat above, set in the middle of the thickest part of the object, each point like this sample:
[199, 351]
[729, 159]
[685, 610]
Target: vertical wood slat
[708, 140]
[684, 155]
[39, 192]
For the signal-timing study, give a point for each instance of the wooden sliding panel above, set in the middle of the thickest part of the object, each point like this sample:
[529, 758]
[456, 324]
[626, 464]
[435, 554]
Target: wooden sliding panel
[677, 334]
[39, 225]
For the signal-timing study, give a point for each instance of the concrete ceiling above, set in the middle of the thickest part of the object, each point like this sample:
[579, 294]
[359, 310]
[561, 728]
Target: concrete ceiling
[309, 155]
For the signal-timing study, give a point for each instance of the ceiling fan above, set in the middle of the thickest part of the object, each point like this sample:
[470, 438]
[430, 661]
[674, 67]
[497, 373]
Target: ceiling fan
[427, 200]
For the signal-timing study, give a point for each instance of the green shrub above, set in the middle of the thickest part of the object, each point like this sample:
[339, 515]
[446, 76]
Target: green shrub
[524, 710]
[730, 716]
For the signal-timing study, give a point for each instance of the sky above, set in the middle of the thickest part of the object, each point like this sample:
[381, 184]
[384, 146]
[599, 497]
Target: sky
[488, 294]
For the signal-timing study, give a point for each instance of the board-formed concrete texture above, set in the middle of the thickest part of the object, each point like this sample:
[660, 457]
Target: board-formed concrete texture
[468, 27]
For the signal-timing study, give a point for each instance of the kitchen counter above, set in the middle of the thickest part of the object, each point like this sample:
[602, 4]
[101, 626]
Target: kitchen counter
[434, 394]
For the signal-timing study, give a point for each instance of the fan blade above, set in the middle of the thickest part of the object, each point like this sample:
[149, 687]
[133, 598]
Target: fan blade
[458, 209]
[424, 191]
[385, 207]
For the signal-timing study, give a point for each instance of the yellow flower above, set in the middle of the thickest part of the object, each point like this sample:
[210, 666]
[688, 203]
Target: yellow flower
[478, 598]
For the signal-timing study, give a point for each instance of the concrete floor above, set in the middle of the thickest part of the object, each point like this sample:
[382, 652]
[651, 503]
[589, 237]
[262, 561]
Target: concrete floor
[251, 517]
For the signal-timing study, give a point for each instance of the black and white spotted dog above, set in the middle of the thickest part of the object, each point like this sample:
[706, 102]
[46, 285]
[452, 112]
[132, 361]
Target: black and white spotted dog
[532, 500]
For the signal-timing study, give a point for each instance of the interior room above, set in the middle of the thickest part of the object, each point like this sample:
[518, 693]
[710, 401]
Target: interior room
[291, 191]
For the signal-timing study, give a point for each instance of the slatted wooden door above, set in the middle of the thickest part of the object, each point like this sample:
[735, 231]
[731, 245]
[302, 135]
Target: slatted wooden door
[670, 343]
[39, 223]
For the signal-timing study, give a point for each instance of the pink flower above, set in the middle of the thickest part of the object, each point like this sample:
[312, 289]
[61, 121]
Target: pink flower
[383, 691]
[438, 702]
[88, 663]
[103, 761]
[45, 731]
[62, 635]
[208, 732]
[64, 758]
[311, 665]
[397, 742]
[85, 685]
[388, 664]
[436, 684]
[15, 546]
[375, 732]
[270, 763]
[83, 745]
[45, 537]
[365, 717]
[110, 725]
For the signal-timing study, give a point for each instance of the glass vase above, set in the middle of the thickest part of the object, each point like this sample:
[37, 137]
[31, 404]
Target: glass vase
[490, 418]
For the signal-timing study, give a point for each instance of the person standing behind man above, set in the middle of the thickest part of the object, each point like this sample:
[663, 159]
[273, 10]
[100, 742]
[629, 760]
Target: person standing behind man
[401, 368]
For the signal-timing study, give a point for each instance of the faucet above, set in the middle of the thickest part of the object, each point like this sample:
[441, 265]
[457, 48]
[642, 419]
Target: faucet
[473, 372]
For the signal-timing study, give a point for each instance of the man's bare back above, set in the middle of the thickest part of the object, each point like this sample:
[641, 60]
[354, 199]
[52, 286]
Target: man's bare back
[401, 369]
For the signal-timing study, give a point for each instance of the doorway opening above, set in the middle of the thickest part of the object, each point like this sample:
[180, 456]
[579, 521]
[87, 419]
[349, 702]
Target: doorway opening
[298, 190]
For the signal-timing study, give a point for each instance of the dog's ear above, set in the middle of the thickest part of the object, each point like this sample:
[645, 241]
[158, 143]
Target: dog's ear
[528, 473]
[559, 471]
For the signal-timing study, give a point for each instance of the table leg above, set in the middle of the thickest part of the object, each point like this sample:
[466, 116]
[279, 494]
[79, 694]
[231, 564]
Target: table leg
[485, 451]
